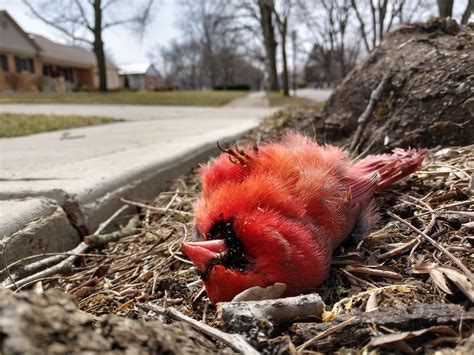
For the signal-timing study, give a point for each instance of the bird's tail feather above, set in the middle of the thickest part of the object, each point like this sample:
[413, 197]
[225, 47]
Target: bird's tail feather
[392, 167]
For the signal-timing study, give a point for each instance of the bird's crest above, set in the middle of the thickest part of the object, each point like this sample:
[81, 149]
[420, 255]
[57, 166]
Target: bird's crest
[238, 155]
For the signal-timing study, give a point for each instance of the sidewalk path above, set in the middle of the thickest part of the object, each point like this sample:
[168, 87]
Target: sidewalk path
[24, 157]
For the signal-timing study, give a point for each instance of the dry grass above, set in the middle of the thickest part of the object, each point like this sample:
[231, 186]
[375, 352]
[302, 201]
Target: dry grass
[174, 98]
[14, 125]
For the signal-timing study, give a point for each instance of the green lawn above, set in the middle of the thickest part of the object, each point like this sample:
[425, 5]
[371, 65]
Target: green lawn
[277, 99]
[185, 98]
[14, 125]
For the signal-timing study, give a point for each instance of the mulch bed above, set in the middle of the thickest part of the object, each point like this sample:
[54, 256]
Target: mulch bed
[148, 266]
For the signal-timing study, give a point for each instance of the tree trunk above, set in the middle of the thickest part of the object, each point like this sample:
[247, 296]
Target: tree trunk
[266, 21]
[467, 12]
[374, 24]
[99, 46]
[286, 82]
[382, 13]
[445, 8]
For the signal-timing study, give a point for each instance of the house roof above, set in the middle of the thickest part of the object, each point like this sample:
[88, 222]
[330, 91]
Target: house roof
[138, 68]
[55, 53]
[5, 14]
[61, 54]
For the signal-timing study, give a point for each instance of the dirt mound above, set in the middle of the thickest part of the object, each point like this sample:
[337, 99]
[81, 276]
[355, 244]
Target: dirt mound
[49, 323]
[428, 100]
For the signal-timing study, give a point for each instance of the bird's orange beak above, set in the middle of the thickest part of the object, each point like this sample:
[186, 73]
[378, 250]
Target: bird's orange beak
[202, 253]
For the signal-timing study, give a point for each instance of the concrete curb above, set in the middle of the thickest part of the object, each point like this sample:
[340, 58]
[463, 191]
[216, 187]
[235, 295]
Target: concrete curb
[54, 215]
[35, 225]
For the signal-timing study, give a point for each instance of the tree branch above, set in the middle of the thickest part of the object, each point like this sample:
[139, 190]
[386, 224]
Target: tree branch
[438, 246]
[235, 341]
[83, 15]
[364, 117]
[54, 24]
[362, 25]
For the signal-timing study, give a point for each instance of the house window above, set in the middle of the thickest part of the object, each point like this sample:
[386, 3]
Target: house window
[24, 65]
[67, 74]
[47, 70]
[3, 62]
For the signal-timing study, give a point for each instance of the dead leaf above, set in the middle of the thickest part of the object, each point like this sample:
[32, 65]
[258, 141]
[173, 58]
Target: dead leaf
[374, 271]
[392, 338]
[372, 303]
[422, 268]
[346, 303]
[460, 280]
[438, 278]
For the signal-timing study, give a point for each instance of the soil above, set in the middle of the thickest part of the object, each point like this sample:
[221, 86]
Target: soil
[49, 323]
[429, 99]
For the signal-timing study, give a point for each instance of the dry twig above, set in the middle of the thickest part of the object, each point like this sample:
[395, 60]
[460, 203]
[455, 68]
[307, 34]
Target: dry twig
[67, 263]
[235, 341]
[458, 262]
[325, 333]
[364, 117]
[239, 316]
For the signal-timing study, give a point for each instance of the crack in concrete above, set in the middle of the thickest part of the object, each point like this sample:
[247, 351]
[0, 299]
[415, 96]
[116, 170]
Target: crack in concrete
[75, 216]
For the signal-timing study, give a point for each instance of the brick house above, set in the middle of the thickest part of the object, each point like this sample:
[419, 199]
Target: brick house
[34, 63]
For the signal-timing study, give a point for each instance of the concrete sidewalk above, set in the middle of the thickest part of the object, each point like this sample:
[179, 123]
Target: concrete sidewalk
[57, 186]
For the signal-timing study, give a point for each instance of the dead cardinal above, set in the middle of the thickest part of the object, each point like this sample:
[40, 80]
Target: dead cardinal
[275, 213]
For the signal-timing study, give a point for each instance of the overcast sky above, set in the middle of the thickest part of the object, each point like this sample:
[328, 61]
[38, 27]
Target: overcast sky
[120, 43]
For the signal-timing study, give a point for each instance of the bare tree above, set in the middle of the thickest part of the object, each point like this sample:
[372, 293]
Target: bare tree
[212, 33]
[86, 21]
[376, 18]
[333, 53]
[268, 30]
[467, 12]
[282, 16]
[210, 24]
[445, 8]
[182, 62]
[257, 19]
[216, 29]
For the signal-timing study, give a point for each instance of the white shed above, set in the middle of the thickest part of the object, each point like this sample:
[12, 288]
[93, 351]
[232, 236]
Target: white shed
[142, 76]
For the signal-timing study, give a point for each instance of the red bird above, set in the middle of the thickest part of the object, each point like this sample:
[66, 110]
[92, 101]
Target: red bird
[276, 213]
